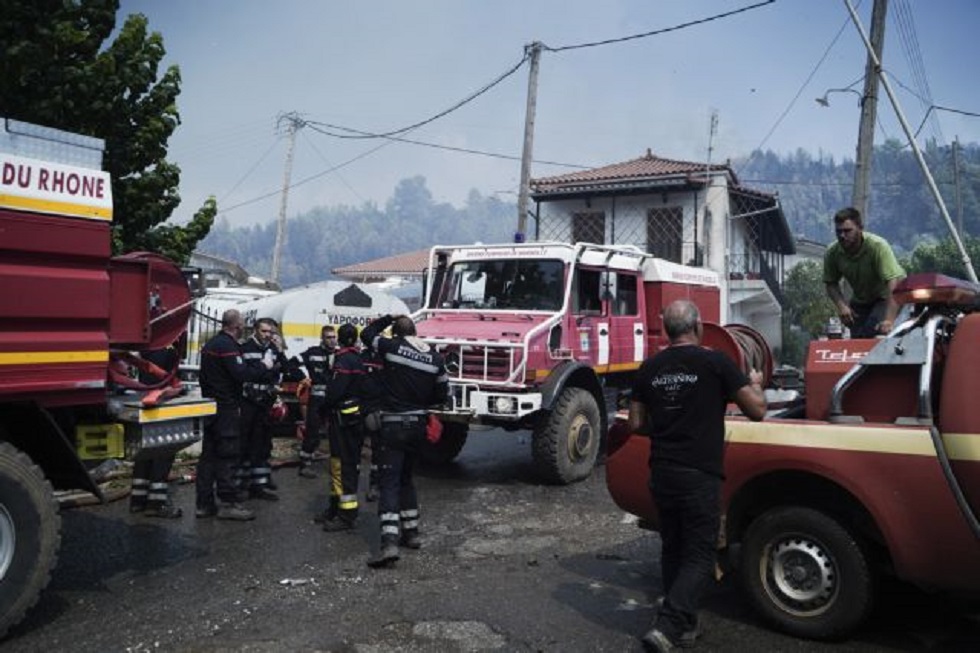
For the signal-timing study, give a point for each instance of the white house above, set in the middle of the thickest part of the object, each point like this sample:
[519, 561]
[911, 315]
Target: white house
[681, 211]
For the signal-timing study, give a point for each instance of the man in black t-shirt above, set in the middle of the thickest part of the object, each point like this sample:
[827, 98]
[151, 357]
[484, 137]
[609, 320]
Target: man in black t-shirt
[679, 400]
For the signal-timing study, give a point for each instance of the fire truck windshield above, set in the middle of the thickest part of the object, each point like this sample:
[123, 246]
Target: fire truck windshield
[504, 284]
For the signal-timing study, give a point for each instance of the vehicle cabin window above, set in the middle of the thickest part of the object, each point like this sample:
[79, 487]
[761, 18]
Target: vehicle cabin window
[586, 296]
[625, 301]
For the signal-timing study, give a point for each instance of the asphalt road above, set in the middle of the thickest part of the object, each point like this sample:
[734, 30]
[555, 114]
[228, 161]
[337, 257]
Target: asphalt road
[508, 565]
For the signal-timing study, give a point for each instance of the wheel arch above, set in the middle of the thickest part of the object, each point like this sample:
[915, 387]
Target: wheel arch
[800, 488]
[34, 431]
[574, 374]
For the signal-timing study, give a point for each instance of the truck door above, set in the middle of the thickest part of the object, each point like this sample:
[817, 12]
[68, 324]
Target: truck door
[627, 337]
[589, 328]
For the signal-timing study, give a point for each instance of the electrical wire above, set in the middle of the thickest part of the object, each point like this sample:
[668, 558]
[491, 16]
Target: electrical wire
[658, 31]
[469, 98]
[796, 97]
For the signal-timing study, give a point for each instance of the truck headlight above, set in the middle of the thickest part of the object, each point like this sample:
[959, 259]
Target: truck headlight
[505, 405]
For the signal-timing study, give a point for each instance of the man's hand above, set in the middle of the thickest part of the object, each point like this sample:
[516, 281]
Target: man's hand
[846, 315]
[885, 326]
[756, 378]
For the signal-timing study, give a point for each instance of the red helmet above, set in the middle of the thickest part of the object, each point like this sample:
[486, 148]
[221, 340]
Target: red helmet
[278, 411]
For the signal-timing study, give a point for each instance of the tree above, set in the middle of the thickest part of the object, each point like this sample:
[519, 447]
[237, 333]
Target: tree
[56, 71]
[806, 311]
[943, 257]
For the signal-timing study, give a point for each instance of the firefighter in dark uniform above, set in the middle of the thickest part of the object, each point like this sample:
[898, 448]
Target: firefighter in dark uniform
[343, 406]
[370, 398]
[318, 359]
[413, 377]
[222, 373]
[255, 469]
[150, 493]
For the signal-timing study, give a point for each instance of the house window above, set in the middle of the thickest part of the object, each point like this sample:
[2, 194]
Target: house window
[589, 227]
[665, 232]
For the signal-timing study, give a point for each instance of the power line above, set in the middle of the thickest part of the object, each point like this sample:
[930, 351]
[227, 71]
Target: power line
[658, 31]
[438, 146]
[469, 98]
[799, 92]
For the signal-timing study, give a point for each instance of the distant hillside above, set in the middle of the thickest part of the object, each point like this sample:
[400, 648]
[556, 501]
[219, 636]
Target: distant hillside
[811, 188]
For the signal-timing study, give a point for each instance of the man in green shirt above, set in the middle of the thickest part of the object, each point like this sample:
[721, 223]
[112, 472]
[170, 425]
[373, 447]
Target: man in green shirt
[868, 264]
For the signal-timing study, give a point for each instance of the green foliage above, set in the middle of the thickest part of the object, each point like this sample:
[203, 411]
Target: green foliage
[806, 310]
[944, 257]
[57, 70]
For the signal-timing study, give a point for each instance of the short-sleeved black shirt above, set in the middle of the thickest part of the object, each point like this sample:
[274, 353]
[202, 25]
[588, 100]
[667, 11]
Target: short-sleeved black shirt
[686, 389]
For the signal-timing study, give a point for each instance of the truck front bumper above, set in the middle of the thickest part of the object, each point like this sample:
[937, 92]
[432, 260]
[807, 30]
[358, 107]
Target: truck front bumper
[495, 405]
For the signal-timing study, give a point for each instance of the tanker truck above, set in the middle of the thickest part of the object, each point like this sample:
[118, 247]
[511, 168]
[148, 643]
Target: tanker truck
[72, 319]
[547, 336]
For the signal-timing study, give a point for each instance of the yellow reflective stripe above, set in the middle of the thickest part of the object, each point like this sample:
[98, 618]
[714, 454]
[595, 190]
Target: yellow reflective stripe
[175, 412]
[55, 207]
[914, 441]
[35, 357]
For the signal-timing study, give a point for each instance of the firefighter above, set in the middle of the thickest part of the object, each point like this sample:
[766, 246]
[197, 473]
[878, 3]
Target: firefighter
[223, 372]
[370, 396]
[150, 493]
[255, 470]
[413, 377]
[318, 360]
[343, 406]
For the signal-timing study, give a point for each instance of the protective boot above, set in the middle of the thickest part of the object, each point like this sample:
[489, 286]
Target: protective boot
[164, 510]
[410, 539]
[331, 512]
[387, 555]
[234, 512]
[345, 521]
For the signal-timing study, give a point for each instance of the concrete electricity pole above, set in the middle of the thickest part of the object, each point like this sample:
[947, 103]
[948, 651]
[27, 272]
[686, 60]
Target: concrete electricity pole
[869, 112]
[532, 101]
[295, 123]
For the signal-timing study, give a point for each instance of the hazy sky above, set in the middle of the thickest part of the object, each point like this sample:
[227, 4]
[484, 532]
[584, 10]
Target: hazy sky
[382, 65]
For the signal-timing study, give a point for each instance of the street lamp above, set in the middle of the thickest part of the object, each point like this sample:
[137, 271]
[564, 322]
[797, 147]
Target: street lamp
[825, 102]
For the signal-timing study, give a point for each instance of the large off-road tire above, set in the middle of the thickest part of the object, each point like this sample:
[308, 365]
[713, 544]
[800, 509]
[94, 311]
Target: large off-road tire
[30, 533]
[449, 445]
[566, 441]
[806, 574]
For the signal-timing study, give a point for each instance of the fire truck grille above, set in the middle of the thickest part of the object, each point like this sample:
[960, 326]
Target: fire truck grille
[482, 363]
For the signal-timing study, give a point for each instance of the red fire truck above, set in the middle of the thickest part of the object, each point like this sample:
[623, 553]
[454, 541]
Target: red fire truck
[876, 470]
[70, 317]
[543, 336]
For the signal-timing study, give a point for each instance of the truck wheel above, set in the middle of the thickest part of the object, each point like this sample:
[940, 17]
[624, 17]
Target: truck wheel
[30, 533]
[806, 574]
[566, 442]
[449, 445]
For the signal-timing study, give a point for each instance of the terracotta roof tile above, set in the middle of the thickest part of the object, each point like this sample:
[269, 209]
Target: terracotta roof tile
[635, 170]
[407, 264]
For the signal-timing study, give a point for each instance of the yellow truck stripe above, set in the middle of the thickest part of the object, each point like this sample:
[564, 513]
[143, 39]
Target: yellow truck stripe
[174, 412]
[914, 441]
[55, 207]
[40, 357]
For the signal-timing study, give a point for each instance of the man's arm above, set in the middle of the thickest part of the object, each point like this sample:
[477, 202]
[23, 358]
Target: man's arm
[371, 332]
[891, 309]
[751, 399]
[837, 297]
[637, 421]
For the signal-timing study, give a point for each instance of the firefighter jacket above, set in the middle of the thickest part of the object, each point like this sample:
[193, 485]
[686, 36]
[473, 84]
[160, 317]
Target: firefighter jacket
[261, 392]
[413, 376]
[223, 370]
[344, 390]
[318, 361]
[371, 389]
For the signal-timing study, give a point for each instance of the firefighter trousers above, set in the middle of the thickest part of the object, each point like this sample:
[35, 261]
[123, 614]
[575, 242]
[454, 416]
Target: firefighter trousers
[255, 468]
[220, 451]
[398, 506]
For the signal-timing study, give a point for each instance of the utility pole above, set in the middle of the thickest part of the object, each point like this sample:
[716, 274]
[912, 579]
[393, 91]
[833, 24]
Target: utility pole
[295, 122]
[869, 111]
[971, 274]
[956, 185]
[532, 101]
